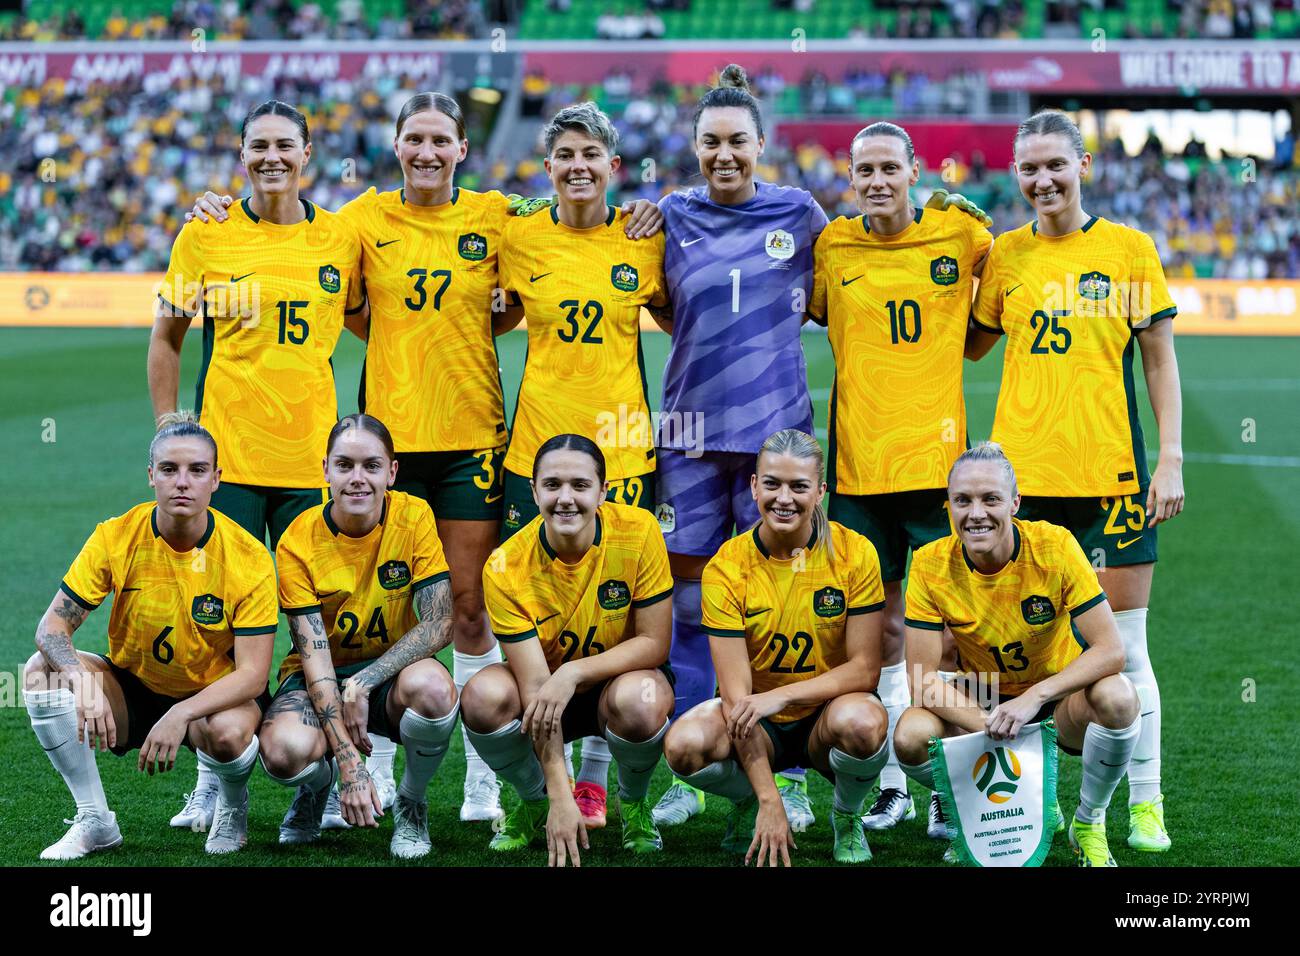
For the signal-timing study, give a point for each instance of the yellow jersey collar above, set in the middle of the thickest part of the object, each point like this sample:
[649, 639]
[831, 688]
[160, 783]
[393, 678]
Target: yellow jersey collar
[334, 529]
[1015, 551]
[244, 204]
[762, 549]
[611, 212]
[551, 552]
[207, 534]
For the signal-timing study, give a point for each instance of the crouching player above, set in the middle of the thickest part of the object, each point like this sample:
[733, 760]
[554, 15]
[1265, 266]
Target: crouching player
[1009, 590]
[189, 646]
[793, 610]
[365, 585]
[578, 600]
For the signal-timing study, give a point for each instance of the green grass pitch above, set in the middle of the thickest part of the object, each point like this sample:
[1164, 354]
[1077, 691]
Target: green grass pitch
[1222, 621]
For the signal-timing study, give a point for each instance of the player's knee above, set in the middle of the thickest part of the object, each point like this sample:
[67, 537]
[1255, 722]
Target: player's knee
[468, 616]
[912, 735]
[227, 735]
[639, 705]
[428, 689]
[1114, 701]
[860, 730]
[686, 748]
[285, 753]
[488, 702]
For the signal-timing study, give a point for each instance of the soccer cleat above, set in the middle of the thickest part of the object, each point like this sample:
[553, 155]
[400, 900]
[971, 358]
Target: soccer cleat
[937, 827]
[850, 839]
[679, 803]
[1088, 840]
[381, 775]
[302, 823]
[891, 808]
[522, 825]
[740, 826]
[196, 815]
[1146, 826]
[410, 829]
[333, 818]
[794, 797]
[88, 833]
[590, 798]
[640, 835]
[950, 854]
[482, 796]
[229, 831]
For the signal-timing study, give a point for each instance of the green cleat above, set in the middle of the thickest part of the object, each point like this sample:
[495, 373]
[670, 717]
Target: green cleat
[640, 835]
[850, 837]
[1146, 826]
[740, 826]
[522, 825]
[1088, 840]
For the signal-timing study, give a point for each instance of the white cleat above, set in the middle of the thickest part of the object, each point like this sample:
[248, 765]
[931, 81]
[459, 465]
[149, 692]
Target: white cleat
[936, 827]
[89, 832]
[333, 818]
[229, 831]
[196, 815]
[482, 796]
[301, 824]
[891, 808]
[381, 775]
[410, 829]
[679, 803]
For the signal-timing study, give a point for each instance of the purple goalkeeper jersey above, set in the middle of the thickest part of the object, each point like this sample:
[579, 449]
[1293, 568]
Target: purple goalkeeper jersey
[740, 278]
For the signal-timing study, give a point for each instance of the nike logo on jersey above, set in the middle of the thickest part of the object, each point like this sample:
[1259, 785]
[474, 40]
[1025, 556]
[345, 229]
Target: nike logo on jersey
[494, 499]
[1012, 289]
[749, 614]
[539, 621]
[691, 242]
[124, 590]
[1124, 544]
[244, 276]
[386, 242]
[844, 281]
[533, 278]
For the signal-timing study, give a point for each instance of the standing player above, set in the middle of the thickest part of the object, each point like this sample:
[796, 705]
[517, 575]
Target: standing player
[364, 584]
[793, 613]
[578, 597]
[1073, 293]
[582, 283]
[271, 288]
[1012, 592]
[894, 286]
[189, 647]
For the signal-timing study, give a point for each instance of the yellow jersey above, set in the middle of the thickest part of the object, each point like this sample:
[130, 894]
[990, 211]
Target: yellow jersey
[431, 371]
[897, 308]
[1014, 624]
[791, 614]
[582, 291]
[363, 588]
[175, 615]
[577, 610]
[1067, 409]
[272, 299]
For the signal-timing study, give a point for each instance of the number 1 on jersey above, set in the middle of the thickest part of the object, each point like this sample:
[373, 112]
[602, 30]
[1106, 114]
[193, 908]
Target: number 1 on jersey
[735, 289]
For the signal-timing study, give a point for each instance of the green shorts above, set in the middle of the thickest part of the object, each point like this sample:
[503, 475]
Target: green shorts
[458, 485]
[261, 511]
[638, 491]
[377, 722]
[581, 717]
[895, 523]
[790, 740]
[1113, 532]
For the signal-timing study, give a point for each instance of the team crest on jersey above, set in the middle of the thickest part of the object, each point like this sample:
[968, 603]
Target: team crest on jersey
[944, 270]
[828, 602]
[666, 515]
[394, 575]
[1094, 285]
[472, 246]
[329, 278]
[1037, 609]
[779, 244]
[624, 277]
[207, 609]
[512, 516]
[613, 595]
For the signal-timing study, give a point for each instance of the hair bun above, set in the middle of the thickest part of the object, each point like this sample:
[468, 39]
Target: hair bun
[734, 75]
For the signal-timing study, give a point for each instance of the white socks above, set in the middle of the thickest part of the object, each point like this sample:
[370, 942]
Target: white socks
[854, 776]
[1144, 771]
[54, 720]
[921, 773]
[896, 697]
[595, 762]
[1106, 756]
[463, 667]
[231, 777]
[510, 754]
[317, 775]
[636, 762]
[425, 740]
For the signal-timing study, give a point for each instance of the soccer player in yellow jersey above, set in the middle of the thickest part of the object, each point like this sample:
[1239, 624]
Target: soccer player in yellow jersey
[364, 583]
[1011, 591]
[579, 599]
[1073, 293]
[793, 611]
[894, 287]
[189, 646]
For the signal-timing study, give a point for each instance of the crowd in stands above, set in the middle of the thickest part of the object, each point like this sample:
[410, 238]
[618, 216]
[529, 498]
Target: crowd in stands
[99, 179]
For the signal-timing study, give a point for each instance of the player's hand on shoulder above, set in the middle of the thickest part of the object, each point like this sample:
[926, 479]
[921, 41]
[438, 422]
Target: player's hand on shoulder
[644, 218]
[565, 833]
[358, 800]
[210, 206]
[158, 752]
[772, 837]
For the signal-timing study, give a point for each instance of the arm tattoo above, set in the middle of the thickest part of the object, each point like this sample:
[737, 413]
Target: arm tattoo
[54, 643]
[432, 634]
[308, 635]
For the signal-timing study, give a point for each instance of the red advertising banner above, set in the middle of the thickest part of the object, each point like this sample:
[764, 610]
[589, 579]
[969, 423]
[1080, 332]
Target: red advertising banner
[934, 142]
